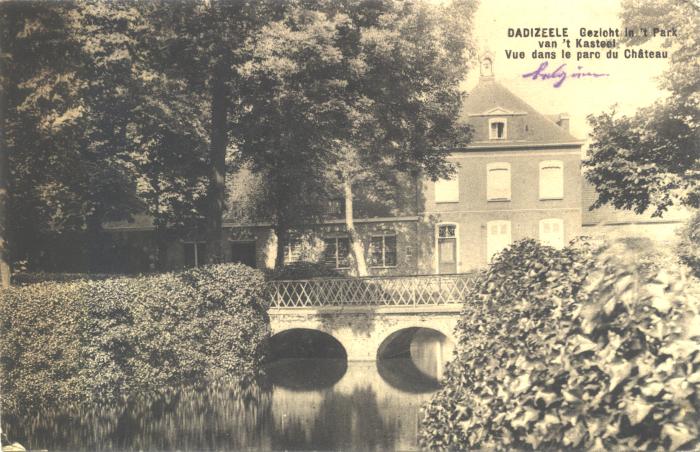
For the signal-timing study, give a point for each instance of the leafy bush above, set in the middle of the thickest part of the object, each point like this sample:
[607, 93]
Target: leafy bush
[302, 270]
[100, 340]
[689, 245]
[564, 350]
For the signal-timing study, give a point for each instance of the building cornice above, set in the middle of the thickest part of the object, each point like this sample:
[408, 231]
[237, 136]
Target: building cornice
[632, 222]
[480, 146]
[231, 224]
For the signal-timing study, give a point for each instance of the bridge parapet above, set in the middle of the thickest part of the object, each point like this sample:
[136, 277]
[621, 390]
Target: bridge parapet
[419, 290]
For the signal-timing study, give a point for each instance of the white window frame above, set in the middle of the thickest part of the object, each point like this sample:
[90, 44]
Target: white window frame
[559, 244]
[289, 248]
[436, 259]
[490, 252]
[396, 249]
[196, 251]
[490, 188]
[337, 260]
[547, 192]
[505, 128]
[447, 190]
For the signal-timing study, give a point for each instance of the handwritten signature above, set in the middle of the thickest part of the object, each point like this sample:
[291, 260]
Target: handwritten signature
[559, 74]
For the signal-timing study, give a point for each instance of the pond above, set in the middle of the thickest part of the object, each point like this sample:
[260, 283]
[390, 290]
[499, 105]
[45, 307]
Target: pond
[305, 403]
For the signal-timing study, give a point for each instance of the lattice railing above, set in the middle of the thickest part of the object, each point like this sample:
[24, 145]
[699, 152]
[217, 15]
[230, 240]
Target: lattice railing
[375, 291]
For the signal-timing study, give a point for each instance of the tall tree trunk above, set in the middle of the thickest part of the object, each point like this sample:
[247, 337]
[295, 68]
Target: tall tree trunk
[4, 195]
[217, 175]
[357, 248]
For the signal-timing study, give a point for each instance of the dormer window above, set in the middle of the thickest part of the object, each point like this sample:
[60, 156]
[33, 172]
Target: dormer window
[497, 128]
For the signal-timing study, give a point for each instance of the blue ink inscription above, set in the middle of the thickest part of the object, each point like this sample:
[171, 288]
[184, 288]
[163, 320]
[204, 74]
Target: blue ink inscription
[559, 74]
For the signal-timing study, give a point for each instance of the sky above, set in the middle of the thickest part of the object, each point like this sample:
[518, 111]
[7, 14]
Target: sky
[631, 83]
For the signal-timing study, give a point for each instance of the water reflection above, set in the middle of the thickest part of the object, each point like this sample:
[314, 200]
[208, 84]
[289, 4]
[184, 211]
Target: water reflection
[423, 353]
[303, 374]
[302, 403]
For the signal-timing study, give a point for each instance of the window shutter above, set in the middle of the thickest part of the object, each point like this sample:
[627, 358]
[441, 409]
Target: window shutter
[447, 190]
[552, 232]
[498, 237]
[498, 181]
[551, 180]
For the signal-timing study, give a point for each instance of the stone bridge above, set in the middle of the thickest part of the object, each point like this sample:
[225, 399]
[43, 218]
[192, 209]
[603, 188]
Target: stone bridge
[375, 316]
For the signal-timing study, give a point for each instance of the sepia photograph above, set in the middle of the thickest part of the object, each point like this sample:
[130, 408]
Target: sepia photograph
[349, 225]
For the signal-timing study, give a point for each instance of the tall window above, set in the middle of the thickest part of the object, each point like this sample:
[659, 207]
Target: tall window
[551, 179]
[447, 248]
[552, 232]
[382, 251]
[337, 253]
[335, 207]
[498, 237]
[498, 182]
[195, 253]
[497, 128]
[447, 190]
[292, 250]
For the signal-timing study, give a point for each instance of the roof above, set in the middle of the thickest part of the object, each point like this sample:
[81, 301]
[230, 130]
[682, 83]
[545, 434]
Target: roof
[525, 125]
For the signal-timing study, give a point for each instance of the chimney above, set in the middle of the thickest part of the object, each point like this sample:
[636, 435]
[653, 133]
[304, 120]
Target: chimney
[563, 121]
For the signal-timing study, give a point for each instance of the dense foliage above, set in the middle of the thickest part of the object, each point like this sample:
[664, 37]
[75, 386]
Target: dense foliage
[571, 350]
[93, 129]
[651, 159]
[101, 340]
[342, 93]
[689, 244]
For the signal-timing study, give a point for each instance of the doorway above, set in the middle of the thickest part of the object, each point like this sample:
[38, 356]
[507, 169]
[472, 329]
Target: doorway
[447, 248]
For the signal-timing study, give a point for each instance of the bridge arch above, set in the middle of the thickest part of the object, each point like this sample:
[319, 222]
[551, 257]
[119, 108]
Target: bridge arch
[304, 343]
[446, 329]
[422, 351]
[305, 359]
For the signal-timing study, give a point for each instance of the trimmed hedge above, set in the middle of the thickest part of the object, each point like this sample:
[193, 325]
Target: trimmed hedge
[567, 350]
[103, 340]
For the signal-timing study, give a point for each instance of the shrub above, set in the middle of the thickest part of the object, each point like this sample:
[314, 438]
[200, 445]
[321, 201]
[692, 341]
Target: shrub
[101, 340]
[302, 270]
[561, 349]
[689, 244]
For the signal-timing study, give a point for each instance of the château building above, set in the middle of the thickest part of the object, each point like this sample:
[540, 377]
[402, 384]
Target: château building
[519, 177]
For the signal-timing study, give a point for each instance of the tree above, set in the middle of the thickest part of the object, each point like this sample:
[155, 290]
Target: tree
[288, 96]
[367, 88]
[652, 158]
[206, 44]
[97, 131]
[31, 35]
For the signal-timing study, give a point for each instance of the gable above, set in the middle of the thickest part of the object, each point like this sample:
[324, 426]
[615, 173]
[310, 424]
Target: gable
[525, 124]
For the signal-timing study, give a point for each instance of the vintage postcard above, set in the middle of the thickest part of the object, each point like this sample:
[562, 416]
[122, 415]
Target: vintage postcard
[349, 225]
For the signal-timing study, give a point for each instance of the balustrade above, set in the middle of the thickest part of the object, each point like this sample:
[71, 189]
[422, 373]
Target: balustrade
[420, 290]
